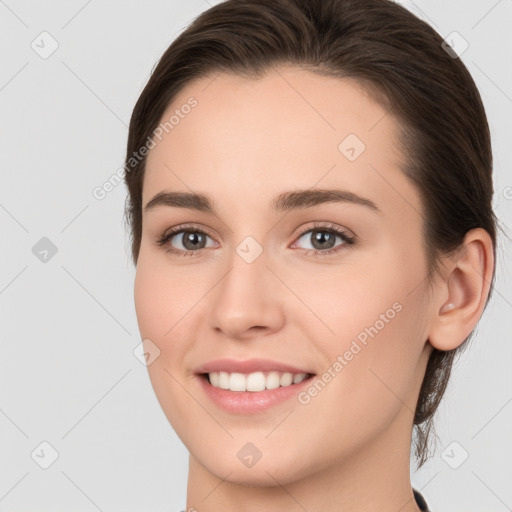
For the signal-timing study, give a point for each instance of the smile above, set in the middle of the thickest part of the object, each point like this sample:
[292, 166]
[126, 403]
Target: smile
[251, 386]
[254, 382]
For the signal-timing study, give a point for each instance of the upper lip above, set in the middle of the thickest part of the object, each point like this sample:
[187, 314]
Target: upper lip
[248, 366]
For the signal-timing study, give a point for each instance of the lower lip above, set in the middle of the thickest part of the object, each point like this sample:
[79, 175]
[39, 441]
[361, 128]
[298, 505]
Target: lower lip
[250, 402]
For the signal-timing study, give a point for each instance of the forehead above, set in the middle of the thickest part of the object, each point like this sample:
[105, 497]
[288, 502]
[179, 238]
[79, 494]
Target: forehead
[291, 128]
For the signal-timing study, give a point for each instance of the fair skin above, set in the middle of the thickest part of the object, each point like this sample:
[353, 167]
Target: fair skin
[247, 141]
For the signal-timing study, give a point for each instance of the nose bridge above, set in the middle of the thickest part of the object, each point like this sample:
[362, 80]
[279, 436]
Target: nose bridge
[248, 277]
[248, 295]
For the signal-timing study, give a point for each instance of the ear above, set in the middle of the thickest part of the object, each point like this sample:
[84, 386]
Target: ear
[461, 298]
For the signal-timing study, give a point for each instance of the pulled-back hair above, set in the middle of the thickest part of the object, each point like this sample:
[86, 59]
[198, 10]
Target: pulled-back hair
[402, 62]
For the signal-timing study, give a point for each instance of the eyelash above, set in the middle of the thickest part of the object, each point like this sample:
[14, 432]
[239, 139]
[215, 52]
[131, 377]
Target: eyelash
[330, 228]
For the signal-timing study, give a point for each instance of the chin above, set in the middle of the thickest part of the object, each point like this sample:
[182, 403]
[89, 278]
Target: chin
[273, 469]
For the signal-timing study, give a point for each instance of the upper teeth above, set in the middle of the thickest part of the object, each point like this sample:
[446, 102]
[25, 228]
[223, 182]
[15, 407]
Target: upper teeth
[257, 381]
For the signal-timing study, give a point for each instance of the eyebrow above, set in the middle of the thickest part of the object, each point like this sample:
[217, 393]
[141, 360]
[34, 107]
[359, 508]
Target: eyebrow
[286, 201]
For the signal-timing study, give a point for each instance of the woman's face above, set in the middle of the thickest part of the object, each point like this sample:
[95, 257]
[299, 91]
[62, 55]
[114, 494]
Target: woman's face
[243, 283]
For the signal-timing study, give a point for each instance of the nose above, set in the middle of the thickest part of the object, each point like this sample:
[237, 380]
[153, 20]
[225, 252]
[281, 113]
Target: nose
[248, 301]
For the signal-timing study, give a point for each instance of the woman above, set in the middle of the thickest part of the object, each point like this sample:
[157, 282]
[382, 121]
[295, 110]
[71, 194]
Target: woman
[310, 189]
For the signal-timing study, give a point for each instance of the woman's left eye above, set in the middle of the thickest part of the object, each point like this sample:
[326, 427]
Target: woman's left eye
[193, 240]
[323, 239]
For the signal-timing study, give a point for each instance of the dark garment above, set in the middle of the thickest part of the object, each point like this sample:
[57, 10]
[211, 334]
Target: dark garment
[420, 501]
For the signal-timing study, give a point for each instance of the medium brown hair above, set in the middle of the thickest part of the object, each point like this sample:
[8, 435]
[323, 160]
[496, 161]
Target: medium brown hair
[395, 56]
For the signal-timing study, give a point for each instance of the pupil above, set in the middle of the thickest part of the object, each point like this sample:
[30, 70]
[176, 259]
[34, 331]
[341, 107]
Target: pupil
[320, 237]
[193, 239]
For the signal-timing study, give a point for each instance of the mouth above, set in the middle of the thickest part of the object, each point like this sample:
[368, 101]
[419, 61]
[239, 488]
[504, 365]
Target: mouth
[254, 382]
[253, 386]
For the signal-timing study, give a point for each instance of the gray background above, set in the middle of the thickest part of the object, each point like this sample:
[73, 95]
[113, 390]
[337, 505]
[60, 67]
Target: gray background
[68, 375]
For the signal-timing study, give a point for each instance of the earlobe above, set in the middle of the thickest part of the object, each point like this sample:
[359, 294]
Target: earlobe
[467, 285]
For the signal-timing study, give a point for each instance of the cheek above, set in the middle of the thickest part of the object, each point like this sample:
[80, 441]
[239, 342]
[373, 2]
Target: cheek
[162, 300]
[374, 326]
[375, 361]
[149, 302]
[159, 304]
